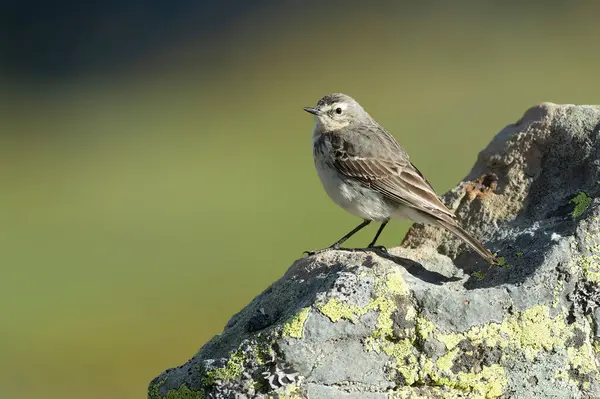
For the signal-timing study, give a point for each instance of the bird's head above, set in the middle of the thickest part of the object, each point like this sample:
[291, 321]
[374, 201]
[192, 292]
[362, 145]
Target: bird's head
[337, 111]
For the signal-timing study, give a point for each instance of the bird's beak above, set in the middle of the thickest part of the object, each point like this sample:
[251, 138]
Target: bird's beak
[313, 111]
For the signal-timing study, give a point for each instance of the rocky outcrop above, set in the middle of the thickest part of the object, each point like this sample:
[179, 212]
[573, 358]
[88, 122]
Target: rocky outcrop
[430, 319]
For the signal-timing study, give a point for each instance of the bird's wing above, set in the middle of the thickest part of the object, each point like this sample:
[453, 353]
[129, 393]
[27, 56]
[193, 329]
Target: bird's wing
[394, 176]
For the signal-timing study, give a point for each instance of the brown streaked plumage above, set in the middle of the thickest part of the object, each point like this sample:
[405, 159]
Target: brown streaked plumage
[366, 171]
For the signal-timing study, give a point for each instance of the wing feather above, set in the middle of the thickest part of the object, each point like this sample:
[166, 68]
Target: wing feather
[398, 181]
[376, 160]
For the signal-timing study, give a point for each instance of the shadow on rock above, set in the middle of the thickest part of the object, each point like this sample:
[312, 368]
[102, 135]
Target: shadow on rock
[416, 269]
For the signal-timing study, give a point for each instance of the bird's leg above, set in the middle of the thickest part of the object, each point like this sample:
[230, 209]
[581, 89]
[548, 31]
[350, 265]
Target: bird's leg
[372, 244]
[338, 243]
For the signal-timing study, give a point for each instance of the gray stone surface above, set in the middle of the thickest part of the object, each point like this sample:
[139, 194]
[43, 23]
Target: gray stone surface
[430, 319]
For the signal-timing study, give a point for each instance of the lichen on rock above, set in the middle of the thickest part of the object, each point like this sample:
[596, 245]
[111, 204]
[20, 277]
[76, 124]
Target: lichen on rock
[429, 319]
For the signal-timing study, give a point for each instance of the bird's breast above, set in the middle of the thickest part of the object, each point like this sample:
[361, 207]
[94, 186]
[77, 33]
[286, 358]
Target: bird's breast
[350, 194]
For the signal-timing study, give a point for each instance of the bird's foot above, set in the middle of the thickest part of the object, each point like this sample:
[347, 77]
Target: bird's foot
[333, 247]
[315, 252]
[337, 247]
[377, 248]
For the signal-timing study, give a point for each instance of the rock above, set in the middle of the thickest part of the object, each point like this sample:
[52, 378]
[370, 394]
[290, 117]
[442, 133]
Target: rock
[429, 319]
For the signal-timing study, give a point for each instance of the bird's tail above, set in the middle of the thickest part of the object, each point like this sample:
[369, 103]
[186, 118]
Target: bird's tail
[458, 231]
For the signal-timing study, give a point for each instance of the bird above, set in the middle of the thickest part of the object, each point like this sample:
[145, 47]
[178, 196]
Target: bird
[365, 171]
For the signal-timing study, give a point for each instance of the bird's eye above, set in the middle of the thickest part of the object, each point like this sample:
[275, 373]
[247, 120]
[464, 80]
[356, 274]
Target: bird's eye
[338, 110]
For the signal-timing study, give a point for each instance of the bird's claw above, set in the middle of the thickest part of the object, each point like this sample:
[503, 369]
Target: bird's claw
[378, 248]
[318, 251]
[311, 253]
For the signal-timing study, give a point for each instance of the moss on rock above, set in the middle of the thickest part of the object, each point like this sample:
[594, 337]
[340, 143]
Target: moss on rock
[581, 202]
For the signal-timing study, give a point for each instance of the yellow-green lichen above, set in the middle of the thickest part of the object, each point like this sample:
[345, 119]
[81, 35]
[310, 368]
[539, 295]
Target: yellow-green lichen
[262, 350]
[581, 202]
[444, 363]
[289, 392]
[395, 284]
[588, 265]
[400, 350]
[557, 291]
[431, 392]
[404, 393]
[232, 369]
[486, 334]
[154, 386]
[519, 254]
[383, 301]
[582, 359]
[404, 353]
[424, 327]
[528, 332]
[293, 328]
[384, 323]
[183, 392]
[415, 367]
[450, 340]
[591, 265]
[386, 295]
[488, 383]
[260, 385]
[534, 330]
[337, 310]
[563, 374]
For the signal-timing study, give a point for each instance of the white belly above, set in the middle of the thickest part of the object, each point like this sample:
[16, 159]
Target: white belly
[353, 197]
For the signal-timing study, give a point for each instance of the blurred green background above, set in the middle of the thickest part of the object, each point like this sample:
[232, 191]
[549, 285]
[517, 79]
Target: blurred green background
[156, 164]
